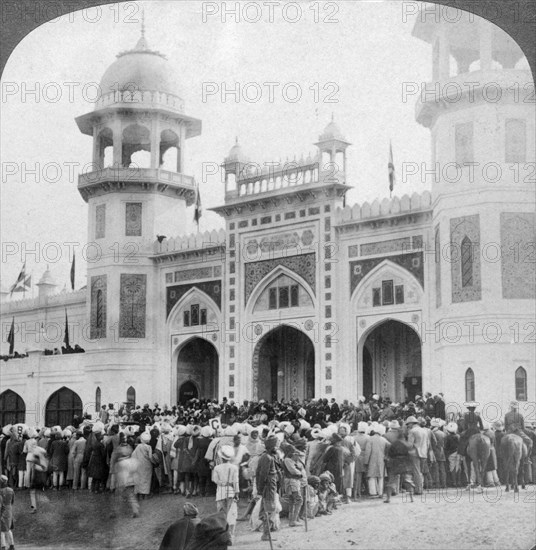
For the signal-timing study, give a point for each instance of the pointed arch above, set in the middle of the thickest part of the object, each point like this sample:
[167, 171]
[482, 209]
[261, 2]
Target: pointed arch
[131, 396]
[194, 294]
[390, 269]
[467, 262]
[61, 407]
[469, 384]
[521, 384]
[12, 408]
[270, 278]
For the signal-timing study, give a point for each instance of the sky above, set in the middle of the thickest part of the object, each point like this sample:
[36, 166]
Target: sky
[356, 54]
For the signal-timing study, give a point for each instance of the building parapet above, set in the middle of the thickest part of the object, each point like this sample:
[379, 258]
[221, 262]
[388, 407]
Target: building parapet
[384, 209]
[193, 242]
[145, 98]
[60, 299]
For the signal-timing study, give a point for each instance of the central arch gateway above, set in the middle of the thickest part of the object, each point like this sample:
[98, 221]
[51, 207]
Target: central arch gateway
[284, 365]
[197, 370]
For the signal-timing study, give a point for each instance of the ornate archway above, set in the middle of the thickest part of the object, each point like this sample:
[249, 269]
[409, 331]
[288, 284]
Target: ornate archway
[12, 408]
[392, 361]
[284, 365]
[61, 407]
[197, 364]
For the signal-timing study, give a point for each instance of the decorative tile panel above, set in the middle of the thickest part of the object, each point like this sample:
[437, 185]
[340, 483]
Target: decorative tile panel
[411, 262]
[98, 303]
[191, 274]
[466, 227]
[437, 257]
[385, 247]
[303, 264]
[176, 292]
[100, 221]
[133, 219]
[132, 305]
[518, 250]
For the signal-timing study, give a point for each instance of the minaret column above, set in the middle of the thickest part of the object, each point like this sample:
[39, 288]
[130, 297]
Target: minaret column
[118, 142]
[155, 143]
[485, 46]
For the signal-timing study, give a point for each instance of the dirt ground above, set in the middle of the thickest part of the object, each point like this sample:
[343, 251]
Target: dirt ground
[453, 520]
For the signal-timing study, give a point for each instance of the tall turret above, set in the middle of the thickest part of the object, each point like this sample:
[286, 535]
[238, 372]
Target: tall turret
[481, 121]
[137, 188]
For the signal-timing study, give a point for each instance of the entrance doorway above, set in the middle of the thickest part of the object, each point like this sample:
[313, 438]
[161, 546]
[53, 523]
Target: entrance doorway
[187, 391]
[284, 365]
[197, 371]
[392, 362]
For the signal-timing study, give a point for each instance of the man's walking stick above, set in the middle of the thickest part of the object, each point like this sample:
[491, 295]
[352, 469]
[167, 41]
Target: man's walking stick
[267, 520]
[305, 507]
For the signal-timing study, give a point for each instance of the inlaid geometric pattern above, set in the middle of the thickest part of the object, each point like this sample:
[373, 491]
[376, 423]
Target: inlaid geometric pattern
[97, 321]
[464, 257]
[132, 305]
[518, 254]
[302, 264]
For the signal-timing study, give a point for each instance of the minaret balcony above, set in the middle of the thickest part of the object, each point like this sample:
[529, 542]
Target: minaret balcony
[142, 98]
[498, 87]
[130, 180]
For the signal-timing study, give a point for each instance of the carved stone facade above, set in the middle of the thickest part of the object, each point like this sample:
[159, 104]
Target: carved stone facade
[518, 255]
[465, 258]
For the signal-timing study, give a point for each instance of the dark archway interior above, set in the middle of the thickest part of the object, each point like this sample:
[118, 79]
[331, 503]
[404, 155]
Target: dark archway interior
[12, 408]
[62, 406]
[197, 364]
[392, 362]
[286, 365]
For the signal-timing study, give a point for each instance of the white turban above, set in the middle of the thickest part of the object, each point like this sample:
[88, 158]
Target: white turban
[145, 437]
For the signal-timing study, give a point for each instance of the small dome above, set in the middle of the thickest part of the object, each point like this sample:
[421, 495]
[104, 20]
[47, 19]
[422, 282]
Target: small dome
[235, 153]
[47, 279]
[331, 131]
[140, 69]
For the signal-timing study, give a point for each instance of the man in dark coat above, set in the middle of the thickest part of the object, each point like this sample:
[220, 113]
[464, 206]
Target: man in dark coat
[211, 533]
[267, 477]
[181, 532]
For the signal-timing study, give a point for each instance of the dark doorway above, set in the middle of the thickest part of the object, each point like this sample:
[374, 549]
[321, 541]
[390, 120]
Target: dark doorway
[187, 391]
[197, 367]
[285, 360]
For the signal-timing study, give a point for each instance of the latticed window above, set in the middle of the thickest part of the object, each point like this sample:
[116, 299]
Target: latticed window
[100, 309]
[467, 262]
[521, 384]
[469, 385]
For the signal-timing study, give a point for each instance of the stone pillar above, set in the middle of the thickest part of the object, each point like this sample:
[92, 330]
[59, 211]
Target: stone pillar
[485, 46]
[444, 54]
[118, 143]
[155, 143]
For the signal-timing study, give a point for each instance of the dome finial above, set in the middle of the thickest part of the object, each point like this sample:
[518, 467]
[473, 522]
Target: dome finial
[143, 22]
[142, 43]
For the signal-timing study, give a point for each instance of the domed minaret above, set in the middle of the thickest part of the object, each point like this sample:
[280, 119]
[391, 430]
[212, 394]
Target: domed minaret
[130, 196]
[482, 131]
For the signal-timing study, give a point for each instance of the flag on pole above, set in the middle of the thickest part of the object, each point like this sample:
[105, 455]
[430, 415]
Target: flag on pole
[23, 282]
[198, 209]
[72, 272]
[11, 337]
[391, 168]
[66, 337]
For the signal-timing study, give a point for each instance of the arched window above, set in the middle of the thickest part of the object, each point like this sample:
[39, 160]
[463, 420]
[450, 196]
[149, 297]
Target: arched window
[467, 262]
[97, 399]
[61, 407]
[12, 408]
[469, 385]
[100, 309]
[131, 396]
[521, 384]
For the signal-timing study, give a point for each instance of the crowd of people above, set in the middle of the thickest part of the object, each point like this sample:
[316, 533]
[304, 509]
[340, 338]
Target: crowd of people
[289, 459]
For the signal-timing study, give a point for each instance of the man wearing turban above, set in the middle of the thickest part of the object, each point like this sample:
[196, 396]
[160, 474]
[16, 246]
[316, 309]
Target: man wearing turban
[179, 534]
